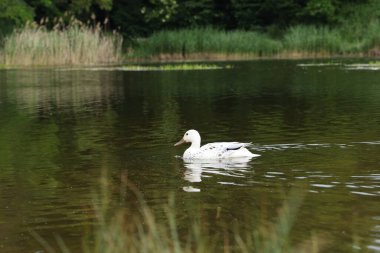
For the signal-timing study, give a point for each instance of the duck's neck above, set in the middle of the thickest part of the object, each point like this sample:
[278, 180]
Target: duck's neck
[196, 144]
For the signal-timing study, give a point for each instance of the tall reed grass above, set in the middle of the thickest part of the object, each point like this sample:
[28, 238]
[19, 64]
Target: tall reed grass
[119, 232]
[205, 41]
[73, 44]
[297, 41]
[311, 39]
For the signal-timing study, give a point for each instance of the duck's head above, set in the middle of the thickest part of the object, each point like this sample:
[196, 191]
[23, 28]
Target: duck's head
[190, 136]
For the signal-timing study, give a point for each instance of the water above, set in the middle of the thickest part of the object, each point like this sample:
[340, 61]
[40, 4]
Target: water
[316, 127]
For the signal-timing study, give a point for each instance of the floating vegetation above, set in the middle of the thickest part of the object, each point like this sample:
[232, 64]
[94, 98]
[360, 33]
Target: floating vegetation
[172, 67]
[374, 65]
[163, 67]
[363, 66]
[322, 64]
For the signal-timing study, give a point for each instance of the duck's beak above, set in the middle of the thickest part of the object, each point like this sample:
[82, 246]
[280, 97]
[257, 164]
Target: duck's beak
[180, 142]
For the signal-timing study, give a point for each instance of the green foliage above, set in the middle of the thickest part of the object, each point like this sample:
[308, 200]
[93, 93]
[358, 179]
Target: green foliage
[297, 41]
[159, 10]
[78, 6]
[142, 17]
[207, 40]
[104, 4]
[313, 39]
[129, 21]
[320, 11]
[269, 27]
[146, 17]
[13, 13]
[199, 13]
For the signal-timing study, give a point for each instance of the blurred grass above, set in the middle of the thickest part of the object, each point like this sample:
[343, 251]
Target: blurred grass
[119, 231]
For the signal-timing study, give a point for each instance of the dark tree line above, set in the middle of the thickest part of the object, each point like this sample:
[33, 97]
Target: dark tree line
[142, 17]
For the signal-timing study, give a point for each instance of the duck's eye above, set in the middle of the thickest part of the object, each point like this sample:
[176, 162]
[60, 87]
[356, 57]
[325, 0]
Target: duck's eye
[187, 133]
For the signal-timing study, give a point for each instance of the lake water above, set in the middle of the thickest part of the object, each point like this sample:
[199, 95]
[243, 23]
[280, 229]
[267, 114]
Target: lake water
[316, 127]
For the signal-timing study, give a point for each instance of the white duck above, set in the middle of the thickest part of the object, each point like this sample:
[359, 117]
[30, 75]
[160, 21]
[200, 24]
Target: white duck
[216, 150]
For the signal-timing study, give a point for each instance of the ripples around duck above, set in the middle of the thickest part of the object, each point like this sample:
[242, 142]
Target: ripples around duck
[319, 173]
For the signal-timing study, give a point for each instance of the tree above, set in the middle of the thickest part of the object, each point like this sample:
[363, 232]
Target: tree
[13, 13]
[126, 15]
[137, 18]
[80, 8]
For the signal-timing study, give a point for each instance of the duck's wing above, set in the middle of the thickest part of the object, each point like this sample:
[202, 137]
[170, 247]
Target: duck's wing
[224, 146]
[236, 145]
[221, 149]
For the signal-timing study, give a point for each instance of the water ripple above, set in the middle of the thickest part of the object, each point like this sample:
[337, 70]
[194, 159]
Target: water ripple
[285, 146]
[323, 185]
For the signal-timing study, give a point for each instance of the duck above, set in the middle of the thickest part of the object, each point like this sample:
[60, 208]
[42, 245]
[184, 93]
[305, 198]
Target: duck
[215, 150]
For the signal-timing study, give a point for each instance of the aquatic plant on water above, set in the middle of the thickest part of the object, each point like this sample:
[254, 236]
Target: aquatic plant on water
[172, 67]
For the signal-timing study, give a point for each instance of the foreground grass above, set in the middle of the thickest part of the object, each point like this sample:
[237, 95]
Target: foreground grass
[74, 44]
[297, 41]
[118, 231]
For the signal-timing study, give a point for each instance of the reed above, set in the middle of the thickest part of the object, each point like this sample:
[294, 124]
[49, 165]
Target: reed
[73, 44]
[204, 41]
[118, 231]
[311, 39]
[297, 41]
[371, 36]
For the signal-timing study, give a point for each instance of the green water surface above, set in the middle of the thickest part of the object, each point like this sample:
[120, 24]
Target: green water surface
[316, 125]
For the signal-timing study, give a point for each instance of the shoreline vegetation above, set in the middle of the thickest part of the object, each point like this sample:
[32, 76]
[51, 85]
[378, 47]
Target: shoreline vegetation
[109, 32]
[297, 42]
[72, 44]
[78, 44]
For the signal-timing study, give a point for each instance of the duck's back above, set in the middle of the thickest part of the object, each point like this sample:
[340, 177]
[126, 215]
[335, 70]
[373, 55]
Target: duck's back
[219, 150]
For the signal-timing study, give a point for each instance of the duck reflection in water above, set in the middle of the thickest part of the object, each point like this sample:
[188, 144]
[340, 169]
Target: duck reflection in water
[229, 168]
